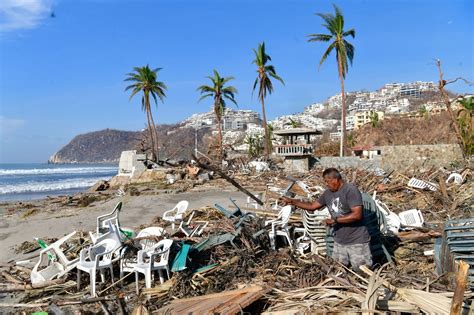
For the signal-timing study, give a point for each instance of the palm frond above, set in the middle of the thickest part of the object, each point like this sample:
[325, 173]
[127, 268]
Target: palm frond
[319, 37]
[350, 32]
[326, 53]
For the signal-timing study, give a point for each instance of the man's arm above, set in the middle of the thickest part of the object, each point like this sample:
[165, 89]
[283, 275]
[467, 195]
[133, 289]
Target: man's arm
[354, 216]
[309, 206]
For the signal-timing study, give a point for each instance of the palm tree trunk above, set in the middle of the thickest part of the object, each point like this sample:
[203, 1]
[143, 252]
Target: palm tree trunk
[150, 125]
[342, 150]
[264, 125]
[155, 133]
[219, 127]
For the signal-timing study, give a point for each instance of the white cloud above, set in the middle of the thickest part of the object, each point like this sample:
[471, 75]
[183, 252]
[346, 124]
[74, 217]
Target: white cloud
[23, 14]
[10, 125]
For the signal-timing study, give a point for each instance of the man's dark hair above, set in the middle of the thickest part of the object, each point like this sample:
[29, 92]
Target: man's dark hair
[332, 172]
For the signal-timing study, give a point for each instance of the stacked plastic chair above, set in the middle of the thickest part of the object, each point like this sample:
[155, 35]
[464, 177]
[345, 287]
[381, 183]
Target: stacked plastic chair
[315, 230]
[457, 244]
[373, 220]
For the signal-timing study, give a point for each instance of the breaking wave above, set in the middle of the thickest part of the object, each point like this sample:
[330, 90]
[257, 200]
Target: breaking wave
[61, 170]
[31, 187]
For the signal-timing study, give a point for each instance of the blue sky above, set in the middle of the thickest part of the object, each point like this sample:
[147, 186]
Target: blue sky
[61, 76]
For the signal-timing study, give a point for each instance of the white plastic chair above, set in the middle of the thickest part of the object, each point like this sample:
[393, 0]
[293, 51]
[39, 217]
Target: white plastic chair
[103, 222]
[176, 214]
[191, 229]
[100, 257]
[411, 218]
[456, 178]
[279, 226]
[253, 203]
[47, 268]
[147, 243]
[153, 259]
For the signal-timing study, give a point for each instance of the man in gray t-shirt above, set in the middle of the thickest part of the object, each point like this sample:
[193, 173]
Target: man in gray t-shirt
[344, 202]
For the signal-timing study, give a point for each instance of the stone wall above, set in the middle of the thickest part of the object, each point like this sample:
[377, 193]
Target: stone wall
[419, 157]
[399, 157]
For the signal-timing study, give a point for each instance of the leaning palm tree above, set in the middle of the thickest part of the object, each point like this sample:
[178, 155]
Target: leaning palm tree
[219, 93]
[145, 80]
[334, 23]
[265, 85]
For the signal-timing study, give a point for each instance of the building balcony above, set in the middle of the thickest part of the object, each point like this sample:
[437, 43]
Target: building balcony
[293, 149]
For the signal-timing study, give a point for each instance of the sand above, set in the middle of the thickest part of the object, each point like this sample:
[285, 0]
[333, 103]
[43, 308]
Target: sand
[136, 210]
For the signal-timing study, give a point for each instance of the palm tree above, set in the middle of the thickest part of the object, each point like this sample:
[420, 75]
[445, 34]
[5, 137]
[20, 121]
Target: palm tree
[334, 23]
[145, 80]
[265, 72]
[219, 93]
[374, 119]
[294, 123]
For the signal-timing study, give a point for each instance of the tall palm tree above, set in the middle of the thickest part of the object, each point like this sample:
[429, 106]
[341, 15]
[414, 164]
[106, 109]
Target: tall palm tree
[145, 80]
[334, 23]
[265, 72]
[219, 93]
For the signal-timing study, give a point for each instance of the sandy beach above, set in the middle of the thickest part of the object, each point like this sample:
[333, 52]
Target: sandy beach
[136, 210]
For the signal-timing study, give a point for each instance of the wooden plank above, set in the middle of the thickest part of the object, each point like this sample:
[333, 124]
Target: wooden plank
[240, 303]
[206, 303]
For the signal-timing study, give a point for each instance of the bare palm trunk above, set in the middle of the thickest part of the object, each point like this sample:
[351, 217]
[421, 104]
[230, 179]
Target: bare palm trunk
[264, 125]
[155, 133]
[219, 127]
[342, 150]
[150, 126]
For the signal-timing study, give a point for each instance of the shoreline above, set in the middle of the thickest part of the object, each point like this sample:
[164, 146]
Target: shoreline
[20, 221]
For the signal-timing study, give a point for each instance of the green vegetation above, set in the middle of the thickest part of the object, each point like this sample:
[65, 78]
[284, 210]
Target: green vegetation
[265, 85]
[219, 93]
[466, 124]
[374, 119]
[255, 143]
[334, 23]
[145, 80]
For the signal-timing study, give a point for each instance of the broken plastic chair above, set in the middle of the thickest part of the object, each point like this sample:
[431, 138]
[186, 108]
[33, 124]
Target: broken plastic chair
[315, 230]
[229, 214]
[190, 228]
[252, 203]
[179, 262]
[100, 257]
[52, 262]
[175, 215]
[456, 178]
[421, 184]
[103, 222]
[411, 218]
[155, 260]
[146, 239]
[279, 226]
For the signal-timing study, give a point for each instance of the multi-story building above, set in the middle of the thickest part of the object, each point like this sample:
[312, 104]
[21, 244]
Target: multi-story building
[363, 118]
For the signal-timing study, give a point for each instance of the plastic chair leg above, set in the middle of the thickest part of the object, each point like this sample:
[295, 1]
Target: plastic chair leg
[92, 279]
[148, 279]
[136, 281]
[102, 275]
[162, 280]
[111, 273]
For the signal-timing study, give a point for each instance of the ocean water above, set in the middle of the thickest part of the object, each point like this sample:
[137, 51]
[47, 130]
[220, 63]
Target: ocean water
[36, 181]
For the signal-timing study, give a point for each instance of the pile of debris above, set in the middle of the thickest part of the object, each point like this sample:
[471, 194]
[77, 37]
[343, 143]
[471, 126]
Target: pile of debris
[225, 259]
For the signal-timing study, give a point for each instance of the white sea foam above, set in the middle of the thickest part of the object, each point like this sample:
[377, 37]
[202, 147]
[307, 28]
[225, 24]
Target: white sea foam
[61, 170]
[49, 186]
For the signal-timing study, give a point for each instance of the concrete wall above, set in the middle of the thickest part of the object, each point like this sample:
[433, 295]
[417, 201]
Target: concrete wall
[400, 157]
[419, 156]
[347, 162]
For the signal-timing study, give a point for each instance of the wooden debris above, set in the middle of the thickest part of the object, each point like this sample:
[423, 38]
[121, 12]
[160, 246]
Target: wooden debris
[228, 302]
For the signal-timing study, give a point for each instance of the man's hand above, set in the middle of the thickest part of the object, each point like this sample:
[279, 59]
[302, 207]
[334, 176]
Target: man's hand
[330, 221]
[285, 201]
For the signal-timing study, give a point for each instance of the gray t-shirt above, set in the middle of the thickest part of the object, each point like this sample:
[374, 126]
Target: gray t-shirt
[339, 204]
